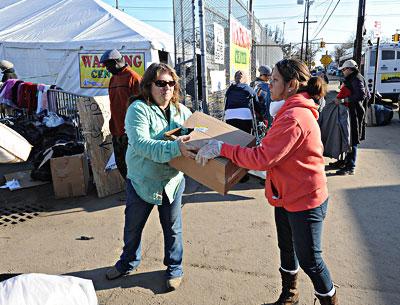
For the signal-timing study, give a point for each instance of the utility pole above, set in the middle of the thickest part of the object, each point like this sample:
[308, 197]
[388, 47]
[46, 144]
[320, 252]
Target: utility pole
[302, 35]
[306, 21]
[359, 35]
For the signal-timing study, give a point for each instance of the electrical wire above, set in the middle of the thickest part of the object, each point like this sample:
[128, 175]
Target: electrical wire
[327, 10]
[327, 19]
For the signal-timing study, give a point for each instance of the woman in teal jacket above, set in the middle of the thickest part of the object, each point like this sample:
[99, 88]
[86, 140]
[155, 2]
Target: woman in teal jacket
[150, 180]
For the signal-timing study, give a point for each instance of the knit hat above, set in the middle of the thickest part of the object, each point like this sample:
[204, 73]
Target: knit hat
[5, 65]
[110, 55]
[265, 70]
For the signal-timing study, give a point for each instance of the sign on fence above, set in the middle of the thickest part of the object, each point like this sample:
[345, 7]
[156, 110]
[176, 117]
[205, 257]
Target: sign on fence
[219, 44]
[240, 47]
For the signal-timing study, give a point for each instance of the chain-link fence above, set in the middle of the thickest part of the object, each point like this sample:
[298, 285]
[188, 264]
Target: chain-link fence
[219, 68]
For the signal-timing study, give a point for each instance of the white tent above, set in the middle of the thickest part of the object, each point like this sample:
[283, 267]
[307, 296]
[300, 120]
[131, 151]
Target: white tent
[45, 39]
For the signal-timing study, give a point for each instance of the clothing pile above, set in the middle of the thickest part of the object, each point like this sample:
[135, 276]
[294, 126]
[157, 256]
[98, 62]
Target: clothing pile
[33, 97]
[61, 137]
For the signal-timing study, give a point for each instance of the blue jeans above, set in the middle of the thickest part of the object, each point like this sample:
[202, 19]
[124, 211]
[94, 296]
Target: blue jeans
[299, 241]
[137, 212]
[351, 157]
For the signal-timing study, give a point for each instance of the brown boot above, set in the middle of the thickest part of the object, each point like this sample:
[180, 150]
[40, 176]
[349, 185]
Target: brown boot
[289, 294]
[333, 300]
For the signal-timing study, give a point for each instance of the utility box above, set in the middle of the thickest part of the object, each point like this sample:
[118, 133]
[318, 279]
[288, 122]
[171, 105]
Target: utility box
[70, 175]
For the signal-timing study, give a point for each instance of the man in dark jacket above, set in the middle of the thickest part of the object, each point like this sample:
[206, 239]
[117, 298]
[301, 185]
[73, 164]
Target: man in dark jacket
[7, 68]
[357, 106]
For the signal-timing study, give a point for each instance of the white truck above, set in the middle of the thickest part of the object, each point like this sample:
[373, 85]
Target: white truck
[388, 74]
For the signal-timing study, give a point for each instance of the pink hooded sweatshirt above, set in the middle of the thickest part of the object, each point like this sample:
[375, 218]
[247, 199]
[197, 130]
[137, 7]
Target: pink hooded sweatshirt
[291, 153]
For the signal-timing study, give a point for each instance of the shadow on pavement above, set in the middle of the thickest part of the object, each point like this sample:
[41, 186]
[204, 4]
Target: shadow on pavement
[377, 212]
[154, 280]
[6, 276]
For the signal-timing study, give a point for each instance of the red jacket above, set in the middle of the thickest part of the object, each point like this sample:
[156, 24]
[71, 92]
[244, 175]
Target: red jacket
[344, 92]
[122, 86]
[291, 153]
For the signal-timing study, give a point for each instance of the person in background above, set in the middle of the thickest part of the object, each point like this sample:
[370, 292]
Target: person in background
[357, 102]
[150, 180]
[324, 76]
[296, 185]
[318, 91]
[238, 103]
[7, 68]
[261, 87]
[123, 84]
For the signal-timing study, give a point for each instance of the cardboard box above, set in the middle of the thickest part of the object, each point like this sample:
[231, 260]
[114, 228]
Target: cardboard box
[70, 175]
[219, 174]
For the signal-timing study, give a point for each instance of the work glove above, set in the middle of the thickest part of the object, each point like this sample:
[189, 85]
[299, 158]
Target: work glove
[209, 151]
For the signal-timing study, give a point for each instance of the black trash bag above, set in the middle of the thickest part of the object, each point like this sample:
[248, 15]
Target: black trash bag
[59, 150]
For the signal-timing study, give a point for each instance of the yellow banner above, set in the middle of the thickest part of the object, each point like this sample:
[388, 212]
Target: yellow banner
[240, 46]
[94, 75]
[390, 78]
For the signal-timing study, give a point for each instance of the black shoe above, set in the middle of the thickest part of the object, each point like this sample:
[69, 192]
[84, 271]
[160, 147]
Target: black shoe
[336, 165]
[345, 171]
[113, 274]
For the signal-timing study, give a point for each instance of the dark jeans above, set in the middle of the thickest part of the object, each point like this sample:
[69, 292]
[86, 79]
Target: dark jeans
[299, 241]
[245, 125]
[351, 158]
[120, 145]
[137, 212]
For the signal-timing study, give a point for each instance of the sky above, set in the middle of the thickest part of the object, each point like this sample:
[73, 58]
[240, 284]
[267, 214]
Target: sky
[339, 28]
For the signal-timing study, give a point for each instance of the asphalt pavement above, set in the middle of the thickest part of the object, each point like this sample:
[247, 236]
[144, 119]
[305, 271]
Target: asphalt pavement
[230, 247]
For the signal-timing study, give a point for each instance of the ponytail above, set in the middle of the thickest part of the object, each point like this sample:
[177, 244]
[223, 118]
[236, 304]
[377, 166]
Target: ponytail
[316, 87]
[293, 69]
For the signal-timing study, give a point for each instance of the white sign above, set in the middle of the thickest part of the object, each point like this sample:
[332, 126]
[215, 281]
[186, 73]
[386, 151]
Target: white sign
[219, 44]
[218, 80]
[377, 29]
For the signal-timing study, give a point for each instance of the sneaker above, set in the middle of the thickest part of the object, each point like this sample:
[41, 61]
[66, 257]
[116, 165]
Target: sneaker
[113, 274]
[345, 171]
[173, 284]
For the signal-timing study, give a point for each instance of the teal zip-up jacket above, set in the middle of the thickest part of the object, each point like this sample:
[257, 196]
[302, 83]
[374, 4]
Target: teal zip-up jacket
[148, 153]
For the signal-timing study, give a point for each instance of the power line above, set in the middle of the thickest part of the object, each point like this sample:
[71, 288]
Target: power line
[327, 10]
[327, 19]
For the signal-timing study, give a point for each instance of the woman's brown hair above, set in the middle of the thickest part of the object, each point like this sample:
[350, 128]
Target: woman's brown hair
[293, 69]
[150, 75]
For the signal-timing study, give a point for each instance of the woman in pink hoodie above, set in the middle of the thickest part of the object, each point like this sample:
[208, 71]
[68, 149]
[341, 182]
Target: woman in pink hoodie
[291, 153]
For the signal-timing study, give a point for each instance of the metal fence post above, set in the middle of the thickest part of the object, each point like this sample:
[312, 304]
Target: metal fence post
[195, 103]
[203, 58]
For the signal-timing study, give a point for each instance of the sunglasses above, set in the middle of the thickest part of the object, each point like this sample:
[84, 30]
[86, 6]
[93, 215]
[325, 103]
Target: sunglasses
[163, 83]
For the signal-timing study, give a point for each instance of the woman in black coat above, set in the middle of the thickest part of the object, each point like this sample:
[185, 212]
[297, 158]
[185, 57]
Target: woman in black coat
[357, 105]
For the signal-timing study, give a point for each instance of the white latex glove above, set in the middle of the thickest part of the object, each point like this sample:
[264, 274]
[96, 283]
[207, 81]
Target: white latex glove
[209, 151]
